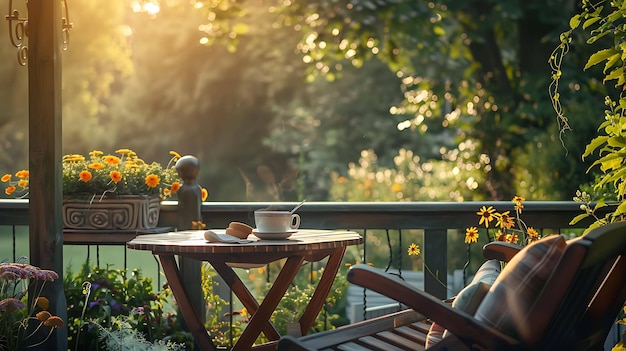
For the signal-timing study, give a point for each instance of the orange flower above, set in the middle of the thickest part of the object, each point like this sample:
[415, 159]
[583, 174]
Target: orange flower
[6, 178]
[112, 160]
[97, 165]
[152, 180]
[115, 176]
[85, 176]
[43, 316]
[43, 303]
[54, 322]
[396, 187]
[9, 190]
[123, 151]
[23, 183]
[23, 174]
[471, 235]
[176, 186]
[205, 194]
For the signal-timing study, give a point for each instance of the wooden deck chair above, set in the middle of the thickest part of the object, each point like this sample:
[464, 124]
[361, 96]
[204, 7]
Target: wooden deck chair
[552, 295]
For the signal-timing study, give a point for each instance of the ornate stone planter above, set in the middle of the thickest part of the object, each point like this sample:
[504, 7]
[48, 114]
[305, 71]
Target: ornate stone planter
[128, 212]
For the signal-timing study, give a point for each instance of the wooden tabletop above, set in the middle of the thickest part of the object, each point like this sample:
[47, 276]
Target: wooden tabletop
[308, 242]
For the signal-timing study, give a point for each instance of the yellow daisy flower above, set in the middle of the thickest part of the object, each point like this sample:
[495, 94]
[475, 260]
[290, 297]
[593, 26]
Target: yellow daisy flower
[486, 215]
[471, 235]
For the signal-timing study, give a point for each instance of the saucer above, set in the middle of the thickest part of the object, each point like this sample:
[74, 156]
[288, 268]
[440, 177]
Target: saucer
[273, 235]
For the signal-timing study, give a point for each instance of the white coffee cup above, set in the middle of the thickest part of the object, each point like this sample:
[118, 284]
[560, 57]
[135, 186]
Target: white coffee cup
[268, 221]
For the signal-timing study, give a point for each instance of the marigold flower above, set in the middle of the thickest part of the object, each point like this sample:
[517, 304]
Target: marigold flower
[43, 316]
[10, 190]
[73, 158]
[123, 151]
[85, 176]
[23, 183]
[414, 250]
[152, 180]
[486, 215]
[5, 178]
[115, 176]
[97, 165]
[176, 186]
[396, 187]
[112, 160]
[54, 322]
[471, 235]
[23, 174]
[205, 194]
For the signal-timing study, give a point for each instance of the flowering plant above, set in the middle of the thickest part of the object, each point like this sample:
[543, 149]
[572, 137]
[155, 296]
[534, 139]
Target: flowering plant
[19, 321]
[107, 175]
[508, 228]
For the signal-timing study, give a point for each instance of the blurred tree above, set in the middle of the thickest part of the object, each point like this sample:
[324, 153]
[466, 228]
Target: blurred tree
[477, 67]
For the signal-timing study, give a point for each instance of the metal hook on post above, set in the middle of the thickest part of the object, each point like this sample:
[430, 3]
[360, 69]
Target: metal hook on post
[67, 25]
[18, 31]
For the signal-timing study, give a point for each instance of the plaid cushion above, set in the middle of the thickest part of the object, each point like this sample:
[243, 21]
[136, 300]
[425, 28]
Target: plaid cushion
[469, 298]
[513, 294]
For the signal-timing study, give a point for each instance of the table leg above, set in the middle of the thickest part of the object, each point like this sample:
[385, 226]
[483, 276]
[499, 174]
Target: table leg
[314, 306]
[244, 295]
[193, 321]
[264, 312]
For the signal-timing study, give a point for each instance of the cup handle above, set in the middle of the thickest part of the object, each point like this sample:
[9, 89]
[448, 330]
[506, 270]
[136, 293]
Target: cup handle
[295, 221]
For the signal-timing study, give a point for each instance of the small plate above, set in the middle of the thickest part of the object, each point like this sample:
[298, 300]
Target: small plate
[273, 236]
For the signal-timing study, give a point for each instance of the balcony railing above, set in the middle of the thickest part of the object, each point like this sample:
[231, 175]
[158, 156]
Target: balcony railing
[434, 219]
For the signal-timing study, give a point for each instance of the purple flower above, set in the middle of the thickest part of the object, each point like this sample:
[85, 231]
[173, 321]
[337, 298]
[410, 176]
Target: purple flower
[11, 305]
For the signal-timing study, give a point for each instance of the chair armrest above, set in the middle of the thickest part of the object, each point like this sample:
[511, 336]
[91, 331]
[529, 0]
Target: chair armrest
[501, 251]
[465, 327]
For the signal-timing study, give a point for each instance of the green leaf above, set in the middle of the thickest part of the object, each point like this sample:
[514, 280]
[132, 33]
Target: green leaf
[599, 57]
[594, 144]
[589, 22]
[615, 74]
[611, 61]
[621, 208]
[574, 22]
[578, 218]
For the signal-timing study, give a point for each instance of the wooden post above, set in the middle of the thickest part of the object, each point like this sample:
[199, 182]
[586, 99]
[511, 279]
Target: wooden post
[189, 203]
[44, 91]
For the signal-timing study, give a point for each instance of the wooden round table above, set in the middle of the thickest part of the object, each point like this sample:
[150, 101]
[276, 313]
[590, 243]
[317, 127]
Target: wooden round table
[304, 245]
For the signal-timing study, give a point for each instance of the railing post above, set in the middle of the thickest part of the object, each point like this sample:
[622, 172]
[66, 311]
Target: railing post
[189, 203]
[436, 262]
